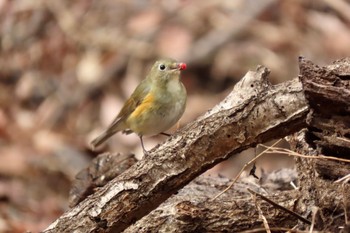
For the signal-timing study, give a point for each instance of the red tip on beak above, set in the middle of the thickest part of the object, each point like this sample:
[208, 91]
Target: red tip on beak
[182, 66]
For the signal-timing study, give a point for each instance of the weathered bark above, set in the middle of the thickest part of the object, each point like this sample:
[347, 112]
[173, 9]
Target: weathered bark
[101, 170]
[327, 90]
[318, 192]
[192, 210]
[255, 112]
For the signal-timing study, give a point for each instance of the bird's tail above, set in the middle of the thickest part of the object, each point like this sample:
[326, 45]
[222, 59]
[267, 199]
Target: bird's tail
[116, 126]
[100, 139]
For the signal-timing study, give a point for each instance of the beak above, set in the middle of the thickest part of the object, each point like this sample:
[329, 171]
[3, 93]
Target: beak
[180, 66]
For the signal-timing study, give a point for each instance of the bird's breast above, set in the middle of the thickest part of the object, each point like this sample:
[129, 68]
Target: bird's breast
[174, 86]
[160, 110]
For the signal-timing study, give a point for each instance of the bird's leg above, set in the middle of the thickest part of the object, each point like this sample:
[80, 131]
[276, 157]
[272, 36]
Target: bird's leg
[165, 134]
[145, 152]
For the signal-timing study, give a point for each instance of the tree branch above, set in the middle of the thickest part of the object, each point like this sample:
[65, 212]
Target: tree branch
[191, 210]
[255, 112]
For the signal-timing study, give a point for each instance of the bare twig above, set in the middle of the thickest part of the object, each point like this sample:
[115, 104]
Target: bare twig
[261, 214]
[279, 150]
[301, 218]
[243, 168]
[346, 203]
[344, 179]
[314, 213]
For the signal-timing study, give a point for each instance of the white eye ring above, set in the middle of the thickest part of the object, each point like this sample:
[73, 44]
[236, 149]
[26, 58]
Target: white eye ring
[161, 67]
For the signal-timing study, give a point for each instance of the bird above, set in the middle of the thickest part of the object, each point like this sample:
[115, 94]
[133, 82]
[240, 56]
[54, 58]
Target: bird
[156, 104]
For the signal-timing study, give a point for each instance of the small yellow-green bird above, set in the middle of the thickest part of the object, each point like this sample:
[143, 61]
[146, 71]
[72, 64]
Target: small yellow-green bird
[156, 104]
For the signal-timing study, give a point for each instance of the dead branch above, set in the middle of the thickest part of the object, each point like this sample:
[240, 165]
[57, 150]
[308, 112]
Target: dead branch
[191, 210]
[327, 134]
[255, 112]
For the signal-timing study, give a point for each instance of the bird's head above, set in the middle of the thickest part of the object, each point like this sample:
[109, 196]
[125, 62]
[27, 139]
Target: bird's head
[166, 69]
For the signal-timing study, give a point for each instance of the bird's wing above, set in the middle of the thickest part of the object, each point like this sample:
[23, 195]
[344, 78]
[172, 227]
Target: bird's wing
[131, 104]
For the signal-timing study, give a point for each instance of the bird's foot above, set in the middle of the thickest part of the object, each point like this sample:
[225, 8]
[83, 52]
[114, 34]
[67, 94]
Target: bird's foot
[145, 153]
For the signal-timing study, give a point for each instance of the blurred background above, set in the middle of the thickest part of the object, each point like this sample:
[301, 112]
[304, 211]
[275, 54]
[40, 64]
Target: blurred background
[66, 68]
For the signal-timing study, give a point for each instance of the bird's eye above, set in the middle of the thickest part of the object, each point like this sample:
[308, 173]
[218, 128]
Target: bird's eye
[162, 67]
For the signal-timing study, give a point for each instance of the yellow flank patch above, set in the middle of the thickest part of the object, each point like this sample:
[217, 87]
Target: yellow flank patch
[144, 106]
